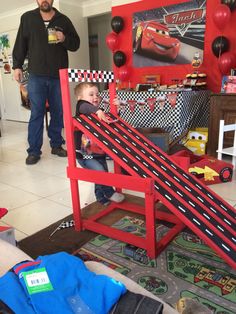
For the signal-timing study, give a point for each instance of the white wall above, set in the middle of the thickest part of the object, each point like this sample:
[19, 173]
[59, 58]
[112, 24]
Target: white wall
[80, 58]
[10, 101]
[96, 7]
[9, 90]
[78, 14]
[93, 8]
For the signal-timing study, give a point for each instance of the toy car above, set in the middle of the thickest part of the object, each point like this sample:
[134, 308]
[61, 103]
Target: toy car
[196, 141]
[155, 37]
[207, 169]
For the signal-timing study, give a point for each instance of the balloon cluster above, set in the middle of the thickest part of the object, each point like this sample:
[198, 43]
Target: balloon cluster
[119, 57]
[220, 45]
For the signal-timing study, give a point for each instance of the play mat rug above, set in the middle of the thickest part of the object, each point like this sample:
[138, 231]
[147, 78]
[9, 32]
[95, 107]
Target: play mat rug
[187, 268]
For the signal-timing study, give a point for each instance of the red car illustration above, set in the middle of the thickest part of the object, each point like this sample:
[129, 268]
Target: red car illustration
[155, 37]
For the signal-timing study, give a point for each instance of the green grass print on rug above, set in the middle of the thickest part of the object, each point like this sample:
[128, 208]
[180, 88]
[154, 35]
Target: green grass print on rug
[186, 268]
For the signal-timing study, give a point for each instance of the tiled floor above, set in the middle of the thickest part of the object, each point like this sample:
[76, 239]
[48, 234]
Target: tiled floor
[38, 195]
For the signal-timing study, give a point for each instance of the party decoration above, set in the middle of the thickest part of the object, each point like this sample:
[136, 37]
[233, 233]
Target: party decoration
[112, 41]
[122, 106]
[119, 58]
[124, 73]
[117, 24]
[172, 98]
[141, 104]
[197, 60]
[226, 61]
[151, 103]
[220, 45]
[161, 101]
[221, 16]
[132, 104]
[230, 3]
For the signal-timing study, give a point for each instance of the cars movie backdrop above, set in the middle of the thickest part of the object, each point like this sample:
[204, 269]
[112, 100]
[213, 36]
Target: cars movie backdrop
[169, 35]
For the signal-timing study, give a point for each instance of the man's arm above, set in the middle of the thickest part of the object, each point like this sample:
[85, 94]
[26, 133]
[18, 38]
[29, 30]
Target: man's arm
[19, 52]
[71, 40]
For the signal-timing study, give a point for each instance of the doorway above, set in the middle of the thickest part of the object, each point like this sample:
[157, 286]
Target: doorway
[100, 55]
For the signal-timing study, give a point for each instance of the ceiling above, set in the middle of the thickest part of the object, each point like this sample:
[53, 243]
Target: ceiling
[13, 5]
[10, 5]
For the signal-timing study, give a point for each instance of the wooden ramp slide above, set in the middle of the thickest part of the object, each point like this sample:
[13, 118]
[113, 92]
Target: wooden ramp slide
[197, 206]
[152, 171]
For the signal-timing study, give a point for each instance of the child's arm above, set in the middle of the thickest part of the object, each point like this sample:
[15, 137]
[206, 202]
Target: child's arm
[102, 116]
[84, 107]
[117, 103]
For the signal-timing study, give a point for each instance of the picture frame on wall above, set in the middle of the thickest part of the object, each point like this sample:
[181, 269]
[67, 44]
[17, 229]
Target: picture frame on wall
[233, 72]
[151, 79]
[168, 35]
[228, 85]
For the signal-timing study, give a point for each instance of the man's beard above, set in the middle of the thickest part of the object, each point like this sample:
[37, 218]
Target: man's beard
[45, 7]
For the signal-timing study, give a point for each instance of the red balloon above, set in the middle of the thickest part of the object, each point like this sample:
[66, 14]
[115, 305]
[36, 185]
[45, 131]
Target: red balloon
[226, 62]
[112, 41]
[221, 16]
[124, 73]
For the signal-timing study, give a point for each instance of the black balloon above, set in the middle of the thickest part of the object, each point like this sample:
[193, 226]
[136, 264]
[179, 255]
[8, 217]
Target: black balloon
[119, 58]
[220, 45]
[117, 24]
[230, 3]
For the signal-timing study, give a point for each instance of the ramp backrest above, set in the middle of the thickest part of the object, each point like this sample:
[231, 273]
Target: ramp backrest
[96, 76]
[79, 75]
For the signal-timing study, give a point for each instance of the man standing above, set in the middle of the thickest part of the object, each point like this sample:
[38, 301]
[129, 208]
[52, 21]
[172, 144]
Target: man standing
[44, 37]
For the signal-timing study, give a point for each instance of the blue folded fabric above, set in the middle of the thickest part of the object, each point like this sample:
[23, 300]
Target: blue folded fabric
[72, 288]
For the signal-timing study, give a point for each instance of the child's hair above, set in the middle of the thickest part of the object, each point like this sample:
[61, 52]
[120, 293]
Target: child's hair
[81, 86]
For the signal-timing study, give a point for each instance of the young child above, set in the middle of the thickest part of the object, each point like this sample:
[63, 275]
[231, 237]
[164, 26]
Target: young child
[88, 154]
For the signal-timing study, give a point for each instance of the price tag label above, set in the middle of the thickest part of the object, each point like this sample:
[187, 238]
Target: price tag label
[37, 281]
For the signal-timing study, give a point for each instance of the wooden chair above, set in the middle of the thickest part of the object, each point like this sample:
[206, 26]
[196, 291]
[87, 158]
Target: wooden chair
[231, 151]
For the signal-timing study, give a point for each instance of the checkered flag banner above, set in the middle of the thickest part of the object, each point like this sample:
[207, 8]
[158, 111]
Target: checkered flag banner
[76, 75]
[63, 225]
[66, 224]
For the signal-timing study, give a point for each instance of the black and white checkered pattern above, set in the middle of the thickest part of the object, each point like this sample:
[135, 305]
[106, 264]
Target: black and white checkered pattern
[191, 110]
[79, 75]
[66, 224]
[63, 225]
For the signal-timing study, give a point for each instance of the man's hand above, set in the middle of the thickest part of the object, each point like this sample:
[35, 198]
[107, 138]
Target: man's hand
[18, 75]
[60, 36]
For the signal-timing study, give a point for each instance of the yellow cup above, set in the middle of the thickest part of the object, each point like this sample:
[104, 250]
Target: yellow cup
[52, 36]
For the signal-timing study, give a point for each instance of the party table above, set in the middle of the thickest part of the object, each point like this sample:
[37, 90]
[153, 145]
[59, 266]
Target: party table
[175, 111]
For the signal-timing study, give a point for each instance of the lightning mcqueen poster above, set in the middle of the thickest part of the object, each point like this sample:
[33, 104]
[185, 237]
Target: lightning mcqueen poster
[169, 35]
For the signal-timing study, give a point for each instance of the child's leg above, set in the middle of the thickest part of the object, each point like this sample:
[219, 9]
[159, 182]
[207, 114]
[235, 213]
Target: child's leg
[102, 192]
[108, 191]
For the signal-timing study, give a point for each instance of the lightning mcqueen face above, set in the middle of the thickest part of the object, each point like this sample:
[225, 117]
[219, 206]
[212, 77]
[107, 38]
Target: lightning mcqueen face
[154, 37]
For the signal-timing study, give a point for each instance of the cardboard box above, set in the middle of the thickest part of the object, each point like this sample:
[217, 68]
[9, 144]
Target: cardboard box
[7, 234]
[158, 136]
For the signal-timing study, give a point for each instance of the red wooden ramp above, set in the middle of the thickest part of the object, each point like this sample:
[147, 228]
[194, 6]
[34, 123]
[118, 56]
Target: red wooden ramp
[203, 211]
[152, 172]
